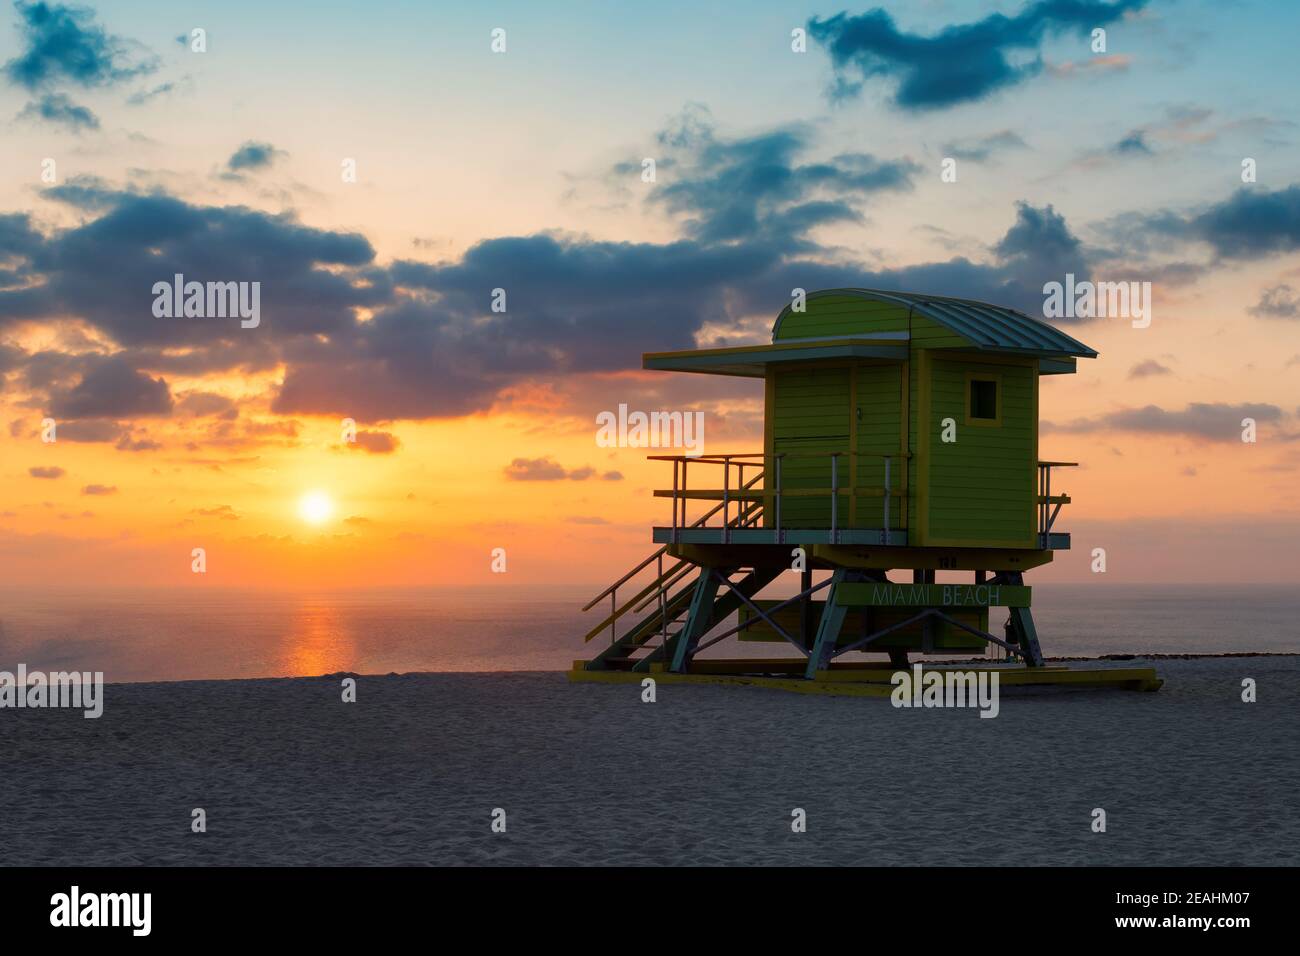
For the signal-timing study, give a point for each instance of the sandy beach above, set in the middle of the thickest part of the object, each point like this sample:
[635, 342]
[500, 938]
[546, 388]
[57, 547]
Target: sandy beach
[588, 774]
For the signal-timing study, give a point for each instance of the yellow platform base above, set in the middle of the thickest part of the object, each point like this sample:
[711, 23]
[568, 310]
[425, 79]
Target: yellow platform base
[867, 679]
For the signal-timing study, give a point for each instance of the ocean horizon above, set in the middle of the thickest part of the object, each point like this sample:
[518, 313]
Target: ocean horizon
[145, 635]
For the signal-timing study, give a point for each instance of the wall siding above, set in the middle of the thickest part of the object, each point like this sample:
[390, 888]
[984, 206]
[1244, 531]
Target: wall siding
[879, 408]
[981, 487]
[811, 415]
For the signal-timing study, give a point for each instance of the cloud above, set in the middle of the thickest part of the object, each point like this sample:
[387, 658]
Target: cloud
[757, 186]
[1038, 247]
[981, 149]
[142, 97]
[1279, 302]
[375, 443]
[42, 472]
[112, 388]
[430, 347]
[224, 512]
[409, 340]
[89, 431]
[86, 192]
[105, 269]
[99, 490]
[56, 108]
[959, 64]
[127, 443]
[207, 405]
[1147, 368]
[545, 469]
[1249, 223]
[253, 156]
[1133, 142]
[62, 43]
[1207, 421]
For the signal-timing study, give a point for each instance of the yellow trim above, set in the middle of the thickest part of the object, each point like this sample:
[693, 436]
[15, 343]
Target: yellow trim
[981, 543]
[878, 681]
[961, 557]
[1033, 517]
[904, 438]
[853, 444]
[996, 379]
[769, 448]
[779, 345]
[923, 383]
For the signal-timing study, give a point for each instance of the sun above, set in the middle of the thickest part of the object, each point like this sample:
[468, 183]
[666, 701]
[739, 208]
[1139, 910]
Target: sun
[315, 507]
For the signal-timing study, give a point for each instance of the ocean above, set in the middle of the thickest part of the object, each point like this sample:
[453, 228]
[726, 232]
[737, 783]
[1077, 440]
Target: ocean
[150, 635]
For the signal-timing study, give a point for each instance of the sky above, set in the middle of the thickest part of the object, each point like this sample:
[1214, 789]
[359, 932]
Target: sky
[380, 169]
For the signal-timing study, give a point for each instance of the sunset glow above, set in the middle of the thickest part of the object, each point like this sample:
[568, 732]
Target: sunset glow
[316, 507]
[362, 253]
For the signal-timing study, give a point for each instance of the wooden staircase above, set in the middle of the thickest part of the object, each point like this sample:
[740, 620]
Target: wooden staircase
[669, 597]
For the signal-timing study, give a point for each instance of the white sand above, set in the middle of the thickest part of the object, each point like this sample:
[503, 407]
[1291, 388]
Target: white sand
[590, 775]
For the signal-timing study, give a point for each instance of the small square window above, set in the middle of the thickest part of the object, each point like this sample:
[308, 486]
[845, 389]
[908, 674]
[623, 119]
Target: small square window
[983, 399]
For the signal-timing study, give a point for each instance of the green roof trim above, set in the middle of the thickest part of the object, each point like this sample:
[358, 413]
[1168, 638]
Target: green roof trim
[751, 361]
[986, 327]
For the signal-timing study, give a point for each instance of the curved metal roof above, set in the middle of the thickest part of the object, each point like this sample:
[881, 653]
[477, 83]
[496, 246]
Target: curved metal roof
[985, 326]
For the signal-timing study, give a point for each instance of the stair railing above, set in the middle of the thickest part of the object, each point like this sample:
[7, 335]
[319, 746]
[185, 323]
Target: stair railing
[655, 589]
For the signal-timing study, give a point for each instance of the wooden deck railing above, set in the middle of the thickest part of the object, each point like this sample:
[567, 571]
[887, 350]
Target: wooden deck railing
[777, 493]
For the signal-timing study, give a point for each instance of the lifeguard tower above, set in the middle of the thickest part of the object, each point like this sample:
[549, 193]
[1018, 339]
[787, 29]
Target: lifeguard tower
[900, 440]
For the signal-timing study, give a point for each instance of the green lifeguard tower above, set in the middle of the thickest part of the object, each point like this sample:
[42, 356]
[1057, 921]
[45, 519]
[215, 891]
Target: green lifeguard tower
[900, 439]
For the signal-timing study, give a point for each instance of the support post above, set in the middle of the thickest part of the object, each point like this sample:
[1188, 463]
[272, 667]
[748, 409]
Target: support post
[828, 631]
[1021, 625]
[805, 607]
[697, 620]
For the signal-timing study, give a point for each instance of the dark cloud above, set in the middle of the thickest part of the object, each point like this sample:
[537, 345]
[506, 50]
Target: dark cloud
[1251, 223]
[1147, 368]
[757, 187]
[546, 469]
[107, 268]
[112, 388]
[959, 64]
[1209, 421]
[1279, 302]
[416, 340]
[63, 43]
[99, 490]
[127, 443]
[376, 443]
[1039, 247]
[86, 192]
[207, 405]
[1134, 142]
[253, 156]
[90, 431]
[431, 346]
[58, 109]
[43, 472]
